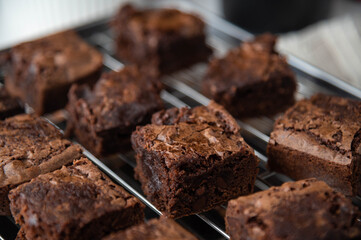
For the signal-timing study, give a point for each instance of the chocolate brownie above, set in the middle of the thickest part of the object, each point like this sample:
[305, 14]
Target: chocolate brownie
[155, 229]
[162, 39]
[251, 80]
[102, 119]
[191, 160]
[41, 72]
[313, 139]
[75, 202]
[9, 106]
[307, 209]
[30, 146]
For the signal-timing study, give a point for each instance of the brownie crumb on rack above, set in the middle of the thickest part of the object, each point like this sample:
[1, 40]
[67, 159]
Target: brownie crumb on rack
[251, 80]
[314, 138]
[30, 146]
[40, 72]
[75, 202]
[103, 118]
[191, 160]
[307, 209]
[164, 40]
[155, 229]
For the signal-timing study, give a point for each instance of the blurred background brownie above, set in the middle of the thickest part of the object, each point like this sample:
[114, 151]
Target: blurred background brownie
[155, 229]
[163, 39]
[103, 118]
[251, 80]
[9, 106]
[307, 209]
[30, 146]
[195, 162]
[40, 72]
[75, 202]
[313, 139]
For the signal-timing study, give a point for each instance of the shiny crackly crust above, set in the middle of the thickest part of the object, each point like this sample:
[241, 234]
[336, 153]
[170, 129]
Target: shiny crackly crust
[306, 209]
[73, 197]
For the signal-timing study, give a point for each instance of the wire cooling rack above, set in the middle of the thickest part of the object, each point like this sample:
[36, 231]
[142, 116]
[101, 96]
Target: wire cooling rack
[183, 89]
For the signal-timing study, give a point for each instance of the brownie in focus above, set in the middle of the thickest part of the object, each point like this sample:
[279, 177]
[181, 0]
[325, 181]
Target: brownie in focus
[314, 138]
[251, 80]
[166, 40]
[155, 229]
[191, 160]
[103, 118]
[30, 146]
[307, 209]
[40, 72]
[75, 202]
[9, 106]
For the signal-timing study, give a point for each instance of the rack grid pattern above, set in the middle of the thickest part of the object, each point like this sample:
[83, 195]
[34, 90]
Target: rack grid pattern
[183, 89]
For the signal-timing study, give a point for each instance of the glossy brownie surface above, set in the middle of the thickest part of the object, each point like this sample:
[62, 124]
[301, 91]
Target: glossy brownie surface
[75, 202]
[40, 72]
[306, 209]
[251, 80]
[321, 127]
[103, 118]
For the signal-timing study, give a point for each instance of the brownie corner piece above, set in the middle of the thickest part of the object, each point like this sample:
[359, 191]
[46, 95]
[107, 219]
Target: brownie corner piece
[163, 228]
[75, 202]
[313, 139]
[165, 40]
[251, 80]
[103, 118]
[40, 72]
[192, 162]
[30, 146]
[306, 209]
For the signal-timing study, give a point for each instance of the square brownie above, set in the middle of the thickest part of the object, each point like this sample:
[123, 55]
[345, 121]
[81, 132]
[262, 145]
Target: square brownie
[313, 139]
[40, 72]
[191, 160]
[165, 40]
[251, 80]
[30, 146]
[103, 118]
[306, 209]
[9, 106]
[75, 202]
[155, 229]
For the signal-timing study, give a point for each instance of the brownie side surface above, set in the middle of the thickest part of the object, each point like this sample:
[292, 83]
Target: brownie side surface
[166, 40]
[30, 146]
[103, 118]
[75, 202]
[306, 209]
[313, 139]
[40, 72]
[9, 106]
[188, 168]
[155, 229]
[251, 80]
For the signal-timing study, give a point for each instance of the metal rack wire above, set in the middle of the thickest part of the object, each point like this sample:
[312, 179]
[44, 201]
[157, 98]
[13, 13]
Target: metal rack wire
[183, 89]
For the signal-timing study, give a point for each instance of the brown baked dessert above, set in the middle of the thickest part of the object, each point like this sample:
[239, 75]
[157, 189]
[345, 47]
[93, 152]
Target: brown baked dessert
[251, 80]
[75, 202]
[9, 106]
[155, 229]
[40, 72]
[102, 119]
[191, 160]
[307, 209]
[164, 40]
[30, 146]
[313, 139]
